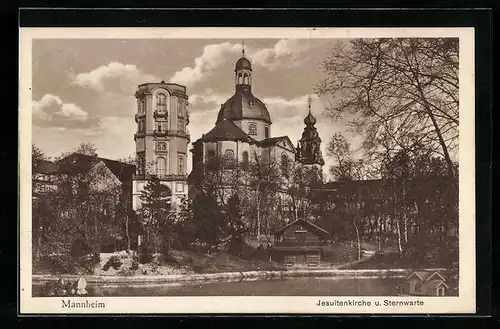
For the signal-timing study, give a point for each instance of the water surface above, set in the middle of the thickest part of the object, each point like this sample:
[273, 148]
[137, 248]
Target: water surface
[310, 286]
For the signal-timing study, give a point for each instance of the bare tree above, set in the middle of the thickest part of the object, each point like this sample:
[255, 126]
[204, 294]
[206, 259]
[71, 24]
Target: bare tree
[397, 93]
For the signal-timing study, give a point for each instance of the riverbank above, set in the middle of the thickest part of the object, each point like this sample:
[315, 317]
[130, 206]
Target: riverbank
[229, 276]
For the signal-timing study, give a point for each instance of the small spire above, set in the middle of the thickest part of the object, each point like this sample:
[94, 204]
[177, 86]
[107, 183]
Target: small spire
[243, 48]
[309, 103]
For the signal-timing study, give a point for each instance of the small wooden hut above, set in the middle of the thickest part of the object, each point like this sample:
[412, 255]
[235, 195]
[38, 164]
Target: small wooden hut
[427, 283]
[300, 243]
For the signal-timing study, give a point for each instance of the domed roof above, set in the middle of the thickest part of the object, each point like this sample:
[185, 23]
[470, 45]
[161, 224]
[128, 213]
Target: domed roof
[243, 63]
[310, 120]
[243, 105]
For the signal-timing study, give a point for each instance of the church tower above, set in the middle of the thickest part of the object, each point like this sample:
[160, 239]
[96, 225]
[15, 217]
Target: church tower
[161, 139]
[308, 151]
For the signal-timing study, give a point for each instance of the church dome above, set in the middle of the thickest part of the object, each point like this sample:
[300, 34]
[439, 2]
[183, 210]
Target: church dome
[309, 120]
[243, 64]
[244, 105]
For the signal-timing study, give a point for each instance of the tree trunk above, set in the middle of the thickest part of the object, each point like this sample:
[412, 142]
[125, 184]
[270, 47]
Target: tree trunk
[127, 233]
[405, 228]
[400, 247]
[357, 238]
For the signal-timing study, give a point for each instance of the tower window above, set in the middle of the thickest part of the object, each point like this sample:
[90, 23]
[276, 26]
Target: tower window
[140, 126]
[161, 104]
[142, 106]
[161, 126]
[252, 129]
[161, 167]
[180, 165]
[180, 111]
[180, 124]
[266, 132]
[141, 163]
[161, 146]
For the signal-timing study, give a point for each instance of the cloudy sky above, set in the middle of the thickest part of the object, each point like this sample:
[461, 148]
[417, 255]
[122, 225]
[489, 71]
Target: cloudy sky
[83, 90]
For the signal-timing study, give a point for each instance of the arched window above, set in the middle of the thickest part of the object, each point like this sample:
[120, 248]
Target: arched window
[161, 167]
[245, 157]
[240, 80]
[245, 78]
[161, 103]
[284, 164]
[266, 132]
[142, 106]
[229, 156]
[252, 128]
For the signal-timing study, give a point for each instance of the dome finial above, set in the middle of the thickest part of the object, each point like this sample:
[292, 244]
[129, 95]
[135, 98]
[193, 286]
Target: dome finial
[243, 48]
[309, 99]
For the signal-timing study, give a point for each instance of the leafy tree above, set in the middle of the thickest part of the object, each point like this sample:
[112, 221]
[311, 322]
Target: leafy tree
[155, 213]
[236, 225]
[208, 220]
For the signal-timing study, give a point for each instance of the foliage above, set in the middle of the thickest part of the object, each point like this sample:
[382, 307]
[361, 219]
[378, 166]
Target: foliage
[208, 220]
[155, 214]
[145, 254]
[236, 226]
[114, 262]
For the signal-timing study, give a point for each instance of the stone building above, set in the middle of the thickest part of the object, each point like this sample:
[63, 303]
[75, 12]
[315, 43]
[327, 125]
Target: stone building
[243, 133]
[161, 139]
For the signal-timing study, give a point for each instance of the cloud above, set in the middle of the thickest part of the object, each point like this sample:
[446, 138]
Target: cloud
[51, 110]
[115, 77]
[212, 57]
[285, 53]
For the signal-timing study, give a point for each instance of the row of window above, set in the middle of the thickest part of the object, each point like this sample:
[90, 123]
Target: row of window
[161, 105]
[243, 79]
[161, 126]
[229, 156]
[161, 165]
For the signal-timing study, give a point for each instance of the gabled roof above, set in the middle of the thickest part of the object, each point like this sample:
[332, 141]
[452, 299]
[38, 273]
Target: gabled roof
[227, 130]
[275, 140]
[46, 167]
[436, 283]
[315, 228]
[426, 275]
[81, 163]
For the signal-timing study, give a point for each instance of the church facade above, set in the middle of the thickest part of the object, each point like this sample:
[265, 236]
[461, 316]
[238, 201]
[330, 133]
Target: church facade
[242, 133]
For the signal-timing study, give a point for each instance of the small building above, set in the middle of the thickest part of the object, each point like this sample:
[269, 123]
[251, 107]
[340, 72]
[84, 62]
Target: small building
[427, 283]
[300, 243]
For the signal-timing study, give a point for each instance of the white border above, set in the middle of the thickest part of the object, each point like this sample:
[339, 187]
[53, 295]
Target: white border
[465, 303]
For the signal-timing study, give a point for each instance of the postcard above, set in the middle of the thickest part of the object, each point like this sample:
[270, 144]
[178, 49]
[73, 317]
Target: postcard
[247, 170]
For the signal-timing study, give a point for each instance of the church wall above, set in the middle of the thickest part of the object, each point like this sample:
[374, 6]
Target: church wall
[261, 126]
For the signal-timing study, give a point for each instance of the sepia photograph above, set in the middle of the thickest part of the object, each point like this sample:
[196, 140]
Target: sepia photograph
[270, 170]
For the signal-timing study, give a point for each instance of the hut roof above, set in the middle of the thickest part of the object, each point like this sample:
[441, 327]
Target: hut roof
[426, 275]
[315, 228]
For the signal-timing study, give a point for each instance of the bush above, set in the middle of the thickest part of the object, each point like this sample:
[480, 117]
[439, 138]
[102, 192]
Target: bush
[145, 254]
[80, 247]
[135, 265]
[113, 262]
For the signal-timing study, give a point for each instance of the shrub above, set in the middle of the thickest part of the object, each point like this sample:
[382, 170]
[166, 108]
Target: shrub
[135, 265]
[145, 254]
[80, 247]
[113, 262]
